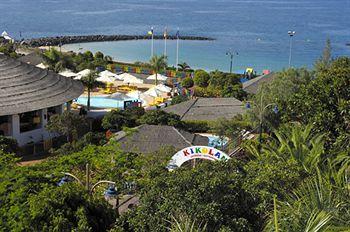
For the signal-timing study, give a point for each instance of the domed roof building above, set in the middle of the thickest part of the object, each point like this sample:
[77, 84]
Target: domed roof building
[29, 96]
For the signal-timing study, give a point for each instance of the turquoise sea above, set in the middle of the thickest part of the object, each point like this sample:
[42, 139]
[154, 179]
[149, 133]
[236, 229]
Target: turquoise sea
[256, 29]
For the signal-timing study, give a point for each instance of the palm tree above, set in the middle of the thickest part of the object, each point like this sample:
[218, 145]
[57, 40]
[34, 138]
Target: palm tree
[51, 57]
[184, 223]
[57, 61]
[108, 58]
[315, 205]
[294, 142]
[157, 64]
[90, 83]
[184, 66]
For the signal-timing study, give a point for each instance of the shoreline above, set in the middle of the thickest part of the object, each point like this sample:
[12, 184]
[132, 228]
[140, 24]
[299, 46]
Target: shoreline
[62, 40]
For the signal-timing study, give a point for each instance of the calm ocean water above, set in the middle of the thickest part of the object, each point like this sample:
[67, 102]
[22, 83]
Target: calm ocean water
[256, 29]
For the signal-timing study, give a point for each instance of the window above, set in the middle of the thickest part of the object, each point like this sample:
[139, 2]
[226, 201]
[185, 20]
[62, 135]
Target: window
[30, 121]
[52, 111]
[5, 125]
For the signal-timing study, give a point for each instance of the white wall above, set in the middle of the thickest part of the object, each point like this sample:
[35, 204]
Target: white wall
[36, 135]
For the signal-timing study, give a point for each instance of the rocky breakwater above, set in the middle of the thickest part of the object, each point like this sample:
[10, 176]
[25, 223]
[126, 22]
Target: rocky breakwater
[61, 40]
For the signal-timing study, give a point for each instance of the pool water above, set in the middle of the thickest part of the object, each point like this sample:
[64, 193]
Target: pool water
[102, 102]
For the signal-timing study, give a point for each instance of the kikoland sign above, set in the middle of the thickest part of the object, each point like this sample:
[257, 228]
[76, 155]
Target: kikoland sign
[196, 152]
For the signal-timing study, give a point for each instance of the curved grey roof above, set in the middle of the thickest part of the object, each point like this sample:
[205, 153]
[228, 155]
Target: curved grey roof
[150, 138]
[24, 87]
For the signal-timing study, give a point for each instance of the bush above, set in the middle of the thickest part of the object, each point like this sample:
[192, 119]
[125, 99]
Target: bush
[201, 78]
[197, 126]
[90, 138]
[211, 193]
[206, 92]
[187, 82]
[219, 84]
[68, 208]
[178, 99]
[68, 124]
[117, 119]
[159, 117]
[8, 49]
[8, 145]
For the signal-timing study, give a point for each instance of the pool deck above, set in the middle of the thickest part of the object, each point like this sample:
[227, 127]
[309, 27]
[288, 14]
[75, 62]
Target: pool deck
[143, 86]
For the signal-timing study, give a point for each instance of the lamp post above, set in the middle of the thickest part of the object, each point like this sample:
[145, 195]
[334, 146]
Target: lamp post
[111, 196]
[261, 111]
[291, 34]
[110, 193]
[231, 54]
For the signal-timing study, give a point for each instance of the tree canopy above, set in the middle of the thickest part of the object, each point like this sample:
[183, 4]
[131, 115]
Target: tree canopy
[212, 193]
[201, 78]
[58, 61]
[218, 84]
[158, 63]
[67, 124]
[159, 117]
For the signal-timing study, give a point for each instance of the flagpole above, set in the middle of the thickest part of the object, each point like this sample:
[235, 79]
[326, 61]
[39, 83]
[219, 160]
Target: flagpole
[165, 38]
[152, 43]
[177, 50]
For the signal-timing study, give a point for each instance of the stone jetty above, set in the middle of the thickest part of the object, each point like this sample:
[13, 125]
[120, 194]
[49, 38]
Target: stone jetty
[61, 40]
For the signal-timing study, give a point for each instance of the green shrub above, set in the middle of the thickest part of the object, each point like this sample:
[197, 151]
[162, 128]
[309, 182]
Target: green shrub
[187, 82]
[197, 126]
[8, 145]
[117, 119]
[178, 99]
[201, 78]
[159, 117]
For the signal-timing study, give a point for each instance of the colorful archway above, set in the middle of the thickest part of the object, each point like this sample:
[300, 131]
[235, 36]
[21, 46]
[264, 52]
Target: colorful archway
[196, 152]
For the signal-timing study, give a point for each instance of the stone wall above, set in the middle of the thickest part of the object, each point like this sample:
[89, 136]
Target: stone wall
[56, 41]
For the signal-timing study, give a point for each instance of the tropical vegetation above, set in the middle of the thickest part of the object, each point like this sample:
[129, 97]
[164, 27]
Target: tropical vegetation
[157, 64]
[295, 179]
[58, 61]
[217, 84]
[90, 82]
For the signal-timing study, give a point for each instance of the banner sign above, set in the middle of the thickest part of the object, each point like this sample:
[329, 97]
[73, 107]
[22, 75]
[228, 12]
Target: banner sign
[196, 152]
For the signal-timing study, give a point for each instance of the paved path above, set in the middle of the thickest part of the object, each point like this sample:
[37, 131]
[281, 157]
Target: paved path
[127, 202]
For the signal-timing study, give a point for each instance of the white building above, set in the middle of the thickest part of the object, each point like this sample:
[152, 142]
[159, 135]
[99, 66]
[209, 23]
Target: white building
[29, 96]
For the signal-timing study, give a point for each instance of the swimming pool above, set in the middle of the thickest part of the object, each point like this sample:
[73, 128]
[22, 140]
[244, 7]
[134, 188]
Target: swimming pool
[102, 102]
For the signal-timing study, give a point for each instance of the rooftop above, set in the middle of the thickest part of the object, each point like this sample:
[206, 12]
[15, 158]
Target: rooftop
[32, 58]
[24, 87]
[207, 109]
[252, 86]
[150, 138]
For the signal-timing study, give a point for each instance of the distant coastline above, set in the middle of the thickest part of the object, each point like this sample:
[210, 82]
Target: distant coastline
[62, 40]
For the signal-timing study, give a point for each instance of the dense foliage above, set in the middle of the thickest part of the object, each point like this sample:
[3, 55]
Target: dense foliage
[211, 193]
[8, 145]
[31, 201]
[296, 180]
[320, 97]
[90, 138]
[58, 61]
[218, 84]
[159, 117]
[157, 64]
[67, 124]
[201, 78]
[8, 49]
[187, 82]
[325, 101]
[277, 93]
[178, 99]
